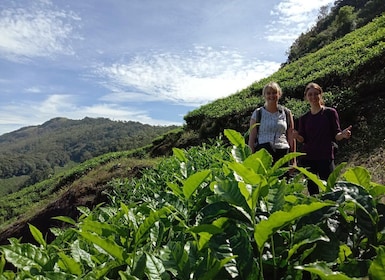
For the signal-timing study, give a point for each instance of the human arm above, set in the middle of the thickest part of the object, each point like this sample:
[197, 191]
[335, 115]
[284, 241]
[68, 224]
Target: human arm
[344, 134]
[252, 134]
[291, 139]
[297, 136]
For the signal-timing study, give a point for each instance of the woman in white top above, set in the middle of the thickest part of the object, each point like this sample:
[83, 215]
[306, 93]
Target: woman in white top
[274, 125]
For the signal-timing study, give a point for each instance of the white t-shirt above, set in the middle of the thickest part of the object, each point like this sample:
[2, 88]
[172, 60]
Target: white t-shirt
[272, 128]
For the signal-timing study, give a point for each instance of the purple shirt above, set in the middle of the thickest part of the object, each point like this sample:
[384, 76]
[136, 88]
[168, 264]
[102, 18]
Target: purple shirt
[319, 131]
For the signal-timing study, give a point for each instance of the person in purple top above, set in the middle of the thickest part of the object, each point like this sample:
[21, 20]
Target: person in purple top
[318, 129]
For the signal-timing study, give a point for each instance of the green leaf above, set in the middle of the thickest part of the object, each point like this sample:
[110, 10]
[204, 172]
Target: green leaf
[334, 176]
[205, 232]
[306, 235]
[37, 235]
[146, 225]
[179, 154]
[154, 267]
[243, 250]
[69, 264]
[312, 177]
[377, 268]
[279, 219]
[247, 174]
[65, 219]
[230, 192]
[283, 160]
[235, 138]
[194, 181]
[2, 264]
[175, 188]
[107, 245]
[100, 228]
[321, 269]
[209, 228]
[358, 175]
[25, 256]
[260, 161]
[377, 190]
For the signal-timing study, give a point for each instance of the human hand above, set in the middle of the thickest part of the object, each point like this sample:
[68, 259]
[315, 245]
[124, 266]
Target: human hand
[346, 133]
[296, 135]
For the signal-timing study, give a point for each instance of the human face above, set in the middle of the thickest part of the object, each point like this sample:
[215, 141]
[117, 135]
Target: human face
[313, 95]
[271, 95]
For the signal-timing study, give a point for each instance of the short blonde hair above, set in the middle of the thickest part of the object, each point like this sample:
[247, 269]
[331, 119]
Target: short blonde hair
[274, 86]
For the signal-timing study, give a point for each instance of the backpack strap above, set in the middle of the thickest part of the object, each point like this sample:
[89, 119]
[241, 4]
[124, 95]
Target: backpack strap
[287, 113]
[258, 114]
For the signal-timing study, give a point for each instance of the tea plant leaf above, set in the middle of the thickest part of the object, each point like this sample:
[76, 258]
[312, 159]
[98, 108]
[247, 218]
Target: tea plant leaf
[377, 190]
[247, 174]
[312, 177]
[306, 235]
[377, 267]
[176, 259]
[67, 263]
[212, 272]
[2, 264]
[283, 160]
[194, 181]
[25, 256]
[264, 229]
[80, 255]
[321, 269]
[243, 250]
[239, 151]
[37, 235]
[260, 161]
[229, 191]
[109, 246]
[139, 266]
[65, 219]
[154, 267]
[235, 138]
[146, 225]
[205, 232]
[175, 188]
[358, 175]
[179, 154]
[100, 228]
[334, 176]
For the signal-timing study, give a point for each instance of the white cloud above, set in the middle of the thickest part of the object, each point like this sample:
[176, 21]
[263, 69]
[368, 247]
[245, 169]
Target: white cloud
[293, 17]
[35, 29]
[194, 77]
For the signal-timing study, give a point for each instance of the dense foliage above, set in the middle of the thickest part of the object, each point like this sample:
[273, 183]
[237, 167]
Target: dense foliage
[344, 17]
[217, 213]
[35, 153]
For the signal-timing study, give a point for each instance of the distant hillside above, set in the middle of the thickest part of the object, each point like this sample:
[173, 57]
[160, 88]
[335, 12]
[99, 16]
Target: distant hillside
[31, 154]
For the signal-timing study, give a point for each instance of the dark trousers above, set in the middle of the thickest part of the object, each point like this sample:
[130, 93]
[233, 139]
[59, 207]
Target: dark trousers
[322, 168]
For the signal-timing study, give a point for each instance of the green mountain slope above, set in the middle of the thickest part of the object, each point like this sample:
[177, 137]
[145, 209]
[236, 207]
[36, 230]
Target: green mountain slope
[34, 153]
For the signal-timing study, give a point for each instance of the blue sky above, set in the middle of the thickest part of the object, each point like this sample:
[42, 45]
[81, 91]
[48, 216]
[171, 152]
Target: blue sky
[149, 61]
